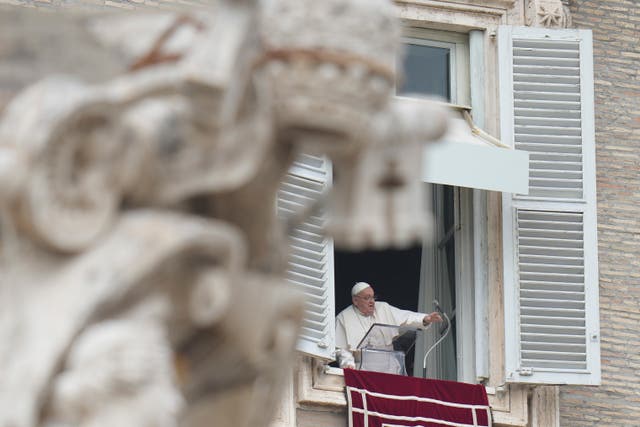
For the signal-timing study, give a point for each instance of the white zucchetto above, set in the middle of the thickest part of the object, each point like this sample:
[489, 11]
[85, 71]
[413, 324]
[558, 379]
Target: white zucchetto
[359, 287]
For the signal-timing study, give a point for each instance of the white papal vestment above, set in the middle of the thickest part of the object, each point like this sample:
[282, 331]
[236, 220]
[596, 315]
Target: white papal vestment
[351, 325]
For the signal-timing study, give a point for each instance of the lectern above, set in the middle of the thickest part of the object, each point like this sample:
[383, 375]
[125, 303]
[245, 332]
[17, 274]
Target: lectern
[384, 348]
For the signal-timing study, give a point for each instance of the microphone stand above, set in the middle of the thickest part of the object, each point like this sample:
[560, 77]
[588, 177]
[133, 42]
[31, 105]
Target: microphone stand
[448, 328]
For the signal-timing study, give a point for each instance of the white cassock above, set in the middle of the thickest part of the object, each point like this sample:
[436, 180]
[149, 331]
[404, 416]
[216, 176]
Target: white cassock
[351, 325]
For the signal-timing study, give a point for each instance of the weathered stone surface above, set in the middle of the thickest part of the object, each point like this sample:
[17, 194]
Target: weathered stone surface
[142, 263]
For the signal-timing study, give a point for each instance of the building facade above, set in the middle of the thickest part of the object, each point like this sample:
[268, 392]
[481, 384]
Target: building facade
[608, 397]
[616, 37]
[591, 378]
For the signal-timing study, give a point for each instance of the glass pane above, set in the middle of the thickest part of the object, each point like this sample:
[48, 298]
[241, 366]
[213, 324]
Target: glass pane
[426, 71]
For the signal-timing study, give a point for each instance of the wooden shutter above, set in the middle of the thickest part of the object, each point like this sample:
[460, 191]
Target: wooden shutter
[311, 259]
[549, 235]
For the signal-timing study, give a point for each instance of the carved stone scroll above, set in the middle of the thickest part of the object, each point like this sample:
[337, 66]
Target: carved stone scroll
[142, 265]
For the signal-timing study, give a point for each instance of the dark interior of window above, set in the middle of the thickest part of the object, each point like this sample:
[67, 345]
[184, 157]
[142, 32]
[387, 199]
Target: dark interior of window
[393, 274]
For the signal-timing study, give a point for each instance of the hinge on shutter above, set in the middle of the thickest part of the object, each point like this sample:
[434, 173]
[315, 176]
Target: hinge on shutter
[526, 372]
[323, 344]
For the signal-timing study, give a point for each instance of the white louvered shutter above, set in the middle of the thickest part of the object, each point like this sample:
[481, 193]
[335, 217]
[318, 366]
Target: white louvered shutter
[311, 260]
[549, 235]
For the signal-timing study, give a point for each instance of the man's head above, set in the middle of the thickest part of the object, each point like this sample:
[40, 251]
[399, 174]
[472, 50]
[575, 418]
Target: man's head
[362, 298]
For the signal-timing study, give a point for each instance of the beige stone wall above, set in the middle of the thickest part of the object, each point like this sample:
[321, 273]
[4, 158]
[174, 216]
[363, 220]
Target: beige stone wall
[616, 33]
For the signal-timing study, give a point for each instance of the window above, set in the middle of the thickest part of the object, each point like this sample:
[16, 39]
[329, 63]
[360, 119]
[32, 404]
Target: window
[436, 63]
[549, 237]
[427, 68]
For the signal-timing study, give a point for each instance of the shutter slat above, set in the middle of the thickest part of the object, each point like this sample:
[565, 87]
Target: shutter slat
[534, 320]
[308, 283]
[552, 147]
[551, 329]
[297, 251]
[553, 338]
[541, 78]
[529, 102]
[553, 277]
[545, 156]
[532, 312]
[551, 260]
[548, 71]
[531, 227]
[559, 193]
[555, 355]
[537, 51]
[302, 235]
[534, 140]
[566, 348]
[573, 175]
[545, 166]
[551, 243]
[552, 286]
[308, 241]
[551, 113]
[551, 295]
[524, 93]
[550, 269]
[312, 331]
[529, 58]
[549, 122]
[308, 262]
[551, 233]
[555, 252]
[523, 130]
[541, 46]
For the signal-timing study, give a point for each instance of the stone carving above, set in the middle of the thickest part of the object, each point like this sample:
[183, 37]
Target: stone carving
[142, 263]
[548, 14]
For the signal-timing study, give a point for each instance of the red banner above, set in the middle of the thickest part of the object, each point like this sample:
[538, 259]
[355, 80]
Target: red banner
[384, 400]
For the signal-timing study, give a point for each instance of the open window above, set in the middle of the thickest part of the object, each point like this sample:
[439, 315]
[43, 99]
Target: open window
[549, 235]
[436, 64]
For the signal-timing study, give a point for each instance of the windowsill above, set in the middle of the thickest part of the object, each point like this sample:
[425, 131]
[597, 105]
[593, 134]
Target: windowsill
[339, 372]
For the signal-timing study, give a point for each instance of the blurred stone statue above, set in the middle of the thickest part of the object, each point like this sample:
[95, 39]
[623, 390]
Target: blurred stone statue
[141, 260]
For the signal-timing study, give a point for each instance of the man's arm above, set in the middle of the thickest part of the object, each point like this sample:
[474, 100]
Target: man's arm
[407, 317]
[344, 356]
[341, 334]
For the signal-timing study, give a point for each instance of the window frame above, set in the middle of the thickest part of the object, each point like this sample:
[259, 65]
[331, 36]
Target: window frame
[466, 265]
[458, 43]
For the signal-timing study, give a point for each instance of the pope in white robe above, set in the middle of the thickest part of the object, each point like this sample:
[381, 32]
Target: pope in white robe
[354, 321]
